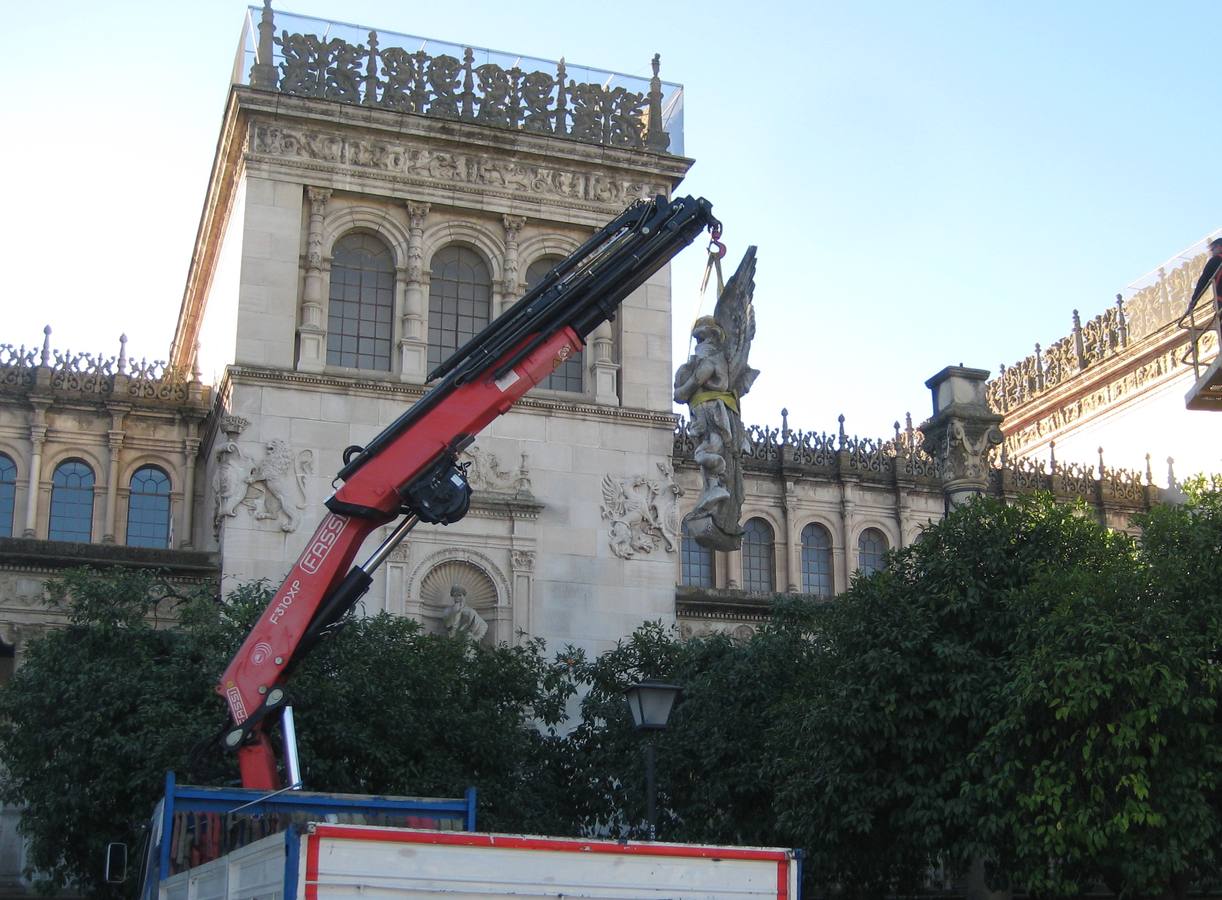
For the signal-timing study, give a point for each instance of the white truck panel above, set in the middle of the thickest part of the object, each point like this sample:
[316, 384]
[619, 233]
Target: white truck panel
[254, 871]
[358, 863]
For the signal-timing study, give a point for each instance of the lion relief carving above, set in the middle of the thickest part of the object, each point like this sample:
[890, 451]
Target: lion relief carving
[272, 487]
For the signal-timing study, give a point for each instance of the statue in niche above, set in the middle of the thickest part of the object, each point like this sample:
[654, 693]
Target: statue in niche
[461, 620]
[711, 383]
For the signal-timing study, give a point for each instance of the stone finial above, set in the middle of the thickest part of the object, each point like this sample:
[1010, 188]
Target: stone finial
[45, 358]
[123, 354]
[656, 139]
[1171, 482]
[1149, 471]
[263, 72]
[1101, 462]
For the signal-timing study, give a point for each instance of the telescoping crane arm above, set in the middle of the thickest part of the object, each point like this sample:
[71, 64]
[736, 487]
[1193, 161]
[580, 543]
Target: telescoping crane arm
[411, 469]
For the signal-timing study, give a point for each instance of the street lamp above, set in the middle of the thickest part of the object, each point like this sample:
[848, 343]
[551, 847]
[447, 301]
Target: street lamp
[650, 702]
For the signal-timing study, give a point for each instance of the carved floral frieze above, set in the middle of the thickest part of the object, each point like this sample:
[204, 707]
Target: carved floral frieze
[448, 168]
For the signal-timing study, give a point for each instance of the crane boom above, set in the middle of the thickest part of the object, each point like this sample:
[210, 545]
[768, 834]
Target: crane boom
[411, 469]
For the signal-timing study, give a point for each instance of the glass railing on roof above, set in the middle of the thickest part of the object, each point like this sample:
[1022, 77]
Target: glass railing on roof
[311, 57]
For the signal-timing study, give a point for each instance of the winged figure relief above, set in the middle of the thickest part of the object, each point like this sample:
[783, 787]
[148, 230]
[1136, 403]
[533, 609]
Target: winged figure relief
[712, 382]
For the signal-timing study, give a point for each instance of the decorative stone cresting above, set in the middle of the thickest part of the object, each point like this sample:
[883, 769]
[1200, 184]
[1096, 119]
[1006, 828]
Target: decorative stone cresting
[392, 71]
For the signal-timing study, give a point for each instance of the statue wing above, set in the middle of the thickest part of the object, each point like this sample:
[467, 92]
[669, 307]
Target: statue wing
[615, 500]
[736, 316]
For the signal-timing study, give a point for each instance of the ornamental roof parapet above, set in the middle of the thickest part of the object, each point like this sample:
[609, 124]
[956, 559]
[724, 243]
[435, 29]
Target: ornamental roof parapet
[44, 371]
[1153, 303]
[303, 56]
[837, 456]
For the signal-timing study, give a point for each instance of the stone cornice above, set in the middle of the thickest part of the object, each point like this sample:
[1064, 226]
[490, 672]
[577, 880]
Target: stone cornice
[409, 393]
[218, 203]
[32, 555]
[720, 604]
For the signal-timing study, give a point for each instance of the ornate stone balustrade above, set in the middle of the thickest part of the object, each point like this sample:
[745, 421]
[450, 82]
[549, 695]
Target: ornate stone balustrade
[311, 57]
[1156, 301]
[832, 455]
[97, 375]
[770, 447]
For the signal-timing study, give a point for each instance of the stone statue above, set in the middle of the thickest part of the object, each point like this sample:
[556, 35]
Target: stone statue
[711, 383]
[461, 620]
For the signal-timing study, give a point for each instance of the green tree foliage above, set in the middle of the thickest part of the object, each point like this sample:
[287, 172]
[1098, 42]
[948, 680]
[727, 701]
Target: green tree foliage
[1021, 690]
[100, 710]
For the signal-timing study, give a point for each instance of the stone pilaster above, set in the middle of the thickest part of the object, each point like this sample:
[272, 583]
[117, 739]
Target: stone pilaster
[190, 450]
[848, 560]
[114, 444]
[522, 563]
[509, 282]
[961, 432]
[38, 437]
[312, 332]
[413, 340]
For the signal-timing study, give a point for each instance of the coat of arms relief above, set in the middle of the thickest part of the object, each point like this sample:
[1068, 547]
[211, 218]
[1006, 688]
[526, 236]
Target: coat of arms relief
[272, 487]
[642, 512]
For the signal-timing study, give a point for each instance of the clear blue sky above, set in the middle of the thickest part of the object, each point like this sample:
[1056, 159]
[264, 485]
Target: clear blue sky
[928, 183]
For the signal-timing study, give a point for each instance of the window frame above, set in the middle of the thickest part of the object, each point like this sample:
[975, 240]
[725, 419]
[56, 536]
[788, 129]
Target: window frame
[437, 349]
[811, 576]
[881, 555]
[750, 582]
[132, 493]
[57, 496]
[384, 298]
[8, 494]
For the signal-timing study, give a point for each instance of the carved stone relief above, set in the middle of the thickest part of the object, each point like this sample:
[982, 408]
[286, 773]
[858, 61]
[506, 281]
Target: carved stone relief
[448, 168]
[642, 512]
[273, 487]
[485, 472]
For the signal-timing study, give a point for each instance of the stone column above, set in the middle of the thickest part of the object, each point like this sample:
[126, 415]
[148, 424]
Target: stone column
[312, 332]
[190, 450]
[413, 340]
[38, 436]
[961, 432]
[114, 443]
[603, 367]
[509, 281]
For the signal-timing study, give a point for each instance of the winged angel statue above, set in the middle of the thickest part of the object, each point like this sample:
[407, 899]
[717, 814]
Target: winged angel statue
[711, 383]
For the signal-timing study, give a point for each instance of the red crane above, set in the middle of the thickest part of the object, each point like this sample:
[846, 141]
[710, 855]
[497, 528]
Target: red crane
[411, 472]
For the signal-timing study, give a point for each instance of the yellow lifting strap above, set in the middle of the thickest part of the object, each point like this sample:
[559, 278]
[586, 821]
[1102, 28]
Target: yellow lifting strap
[728, 398]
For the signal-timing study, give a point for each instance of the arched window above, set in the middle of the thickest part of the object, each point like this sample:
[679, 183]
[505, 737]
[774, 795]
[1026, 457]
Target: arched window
[148, 509]
[361, 303]
[696, 562]
[871, 551]
[568, 375]
[816, 560]
[8, 491]
[758, 565]
[71, 502]
[460, 300]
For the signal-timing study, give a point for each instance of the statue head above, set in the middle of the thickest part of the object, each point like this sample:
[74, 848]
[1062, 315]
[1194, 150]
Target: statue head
[706, 328]
[458, 594]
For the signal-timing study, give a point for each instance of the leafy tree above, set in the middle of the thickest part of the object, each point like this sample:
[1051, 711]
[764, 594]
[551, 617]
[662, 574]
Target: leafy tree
[915, 666]
[93, 717]
[99, 711]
